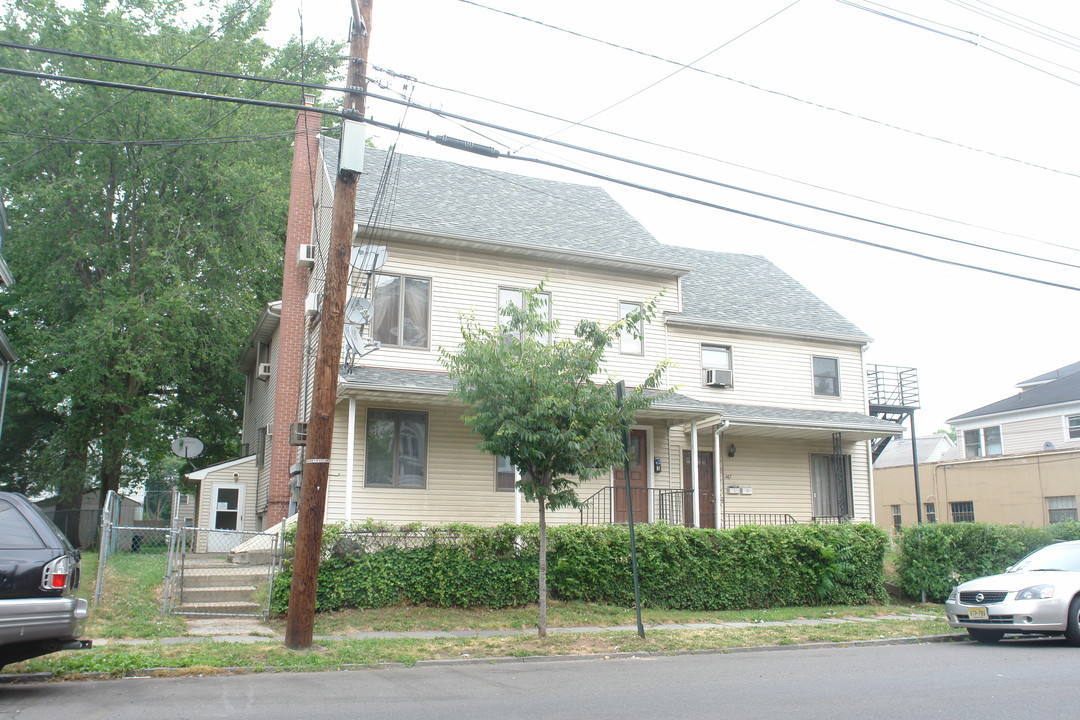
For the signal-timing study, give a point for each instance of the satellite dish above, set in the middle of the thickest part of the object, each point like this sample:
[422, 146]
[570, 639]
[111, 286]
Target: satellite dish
[1048, 445]
[358, 311]
[187, 447]
[368, 258]
[354, 339]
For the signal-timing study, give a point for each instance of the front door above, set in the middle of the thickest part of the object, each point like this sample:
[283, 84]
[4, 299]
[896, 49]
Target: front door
[706, 489]
[639, 481]
[226, 517]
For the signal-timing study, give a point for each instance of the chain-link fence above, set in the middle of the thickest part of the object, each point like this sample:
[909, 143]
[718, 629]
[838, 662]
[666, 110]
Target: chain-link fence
[220, 572]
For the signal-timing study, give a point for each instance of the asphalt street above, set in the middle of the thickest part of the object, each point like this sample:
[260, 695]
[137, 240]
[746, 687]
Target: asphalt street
[1022, 678]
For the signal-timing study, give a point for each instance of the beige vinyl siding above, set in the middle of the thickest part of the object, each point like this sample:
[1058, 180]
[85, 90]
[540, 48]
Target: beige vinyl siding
[1030, 435]
[465, 282]
[778, 471]
[259, 413]
[767, 370]
[460, 478]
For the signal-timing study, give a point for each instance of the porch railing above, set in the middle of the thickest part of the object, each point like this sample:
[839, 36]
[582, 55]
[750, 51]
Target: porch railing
[608, 506]
[730, 520]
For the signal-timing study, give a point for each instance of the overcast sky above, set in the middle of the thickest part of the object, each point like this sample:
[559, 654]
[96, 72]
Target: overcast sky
[956, 118]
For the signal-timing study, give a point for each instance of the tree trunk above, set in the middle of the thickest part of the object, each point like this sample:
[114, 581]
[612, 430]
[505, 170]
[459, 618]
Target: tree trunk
[541, 624]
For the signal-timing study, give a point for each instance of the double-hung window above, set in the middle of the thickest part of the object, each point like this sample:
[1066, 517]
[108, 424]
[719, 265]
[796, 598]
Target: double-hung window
[716, 365]
[631, 339]
[1072, 427]
[930, 512]
[402, 311]
[505, 475]
[396, 449]
[982, 442]
[516, 297]
[826, 376]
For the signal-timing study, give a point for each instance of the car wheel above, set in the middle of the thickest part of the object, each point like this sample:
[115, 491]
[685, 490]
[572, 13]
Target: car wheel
[985, 636]
[1072, 627]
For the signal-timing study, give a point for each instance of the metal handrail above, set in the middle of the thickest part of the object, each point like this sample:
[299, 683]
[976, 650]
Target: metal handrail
[730, 520]
[663, 504]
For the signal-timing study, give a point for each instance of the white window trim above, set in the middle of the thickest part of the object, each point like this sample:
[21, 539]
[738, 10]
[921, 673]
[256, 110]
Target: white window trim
[401, 309]
[839, 373]
[730, 360]
[1065, 421]
[641, 328]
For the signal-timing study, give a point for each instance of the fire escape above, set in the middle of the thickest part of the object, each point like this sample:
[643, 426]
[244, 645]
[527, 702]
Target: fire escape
[894, 396]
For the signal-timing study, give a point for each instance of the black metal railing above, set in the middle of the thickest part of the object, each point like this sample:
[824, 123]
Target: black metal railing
[831, 519]
[892, 386]
[608, 505]
[730, 520]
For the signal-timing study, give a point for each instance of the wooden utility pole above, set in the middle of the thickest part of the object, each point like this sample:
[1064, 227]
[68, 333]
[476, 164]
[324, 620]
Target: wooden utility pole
[309, 525]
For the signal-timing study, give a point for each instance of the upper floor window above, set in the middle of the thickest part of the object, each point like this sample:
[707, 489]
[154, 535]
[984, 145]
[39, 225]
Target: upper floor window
[1072, 424]
[515, 297]
[826, 376]
[402, 311]
[396, 448]
[982, 442]
[716, 365]
[632, 341]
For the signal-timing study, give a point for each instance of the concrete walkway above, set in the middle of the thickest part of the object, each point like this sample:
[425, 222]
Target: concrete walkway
[250, 630]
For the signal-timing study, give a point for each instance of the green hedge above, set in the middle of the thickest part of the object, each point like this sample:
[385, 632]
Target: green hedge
[680, 568]
[936, 557]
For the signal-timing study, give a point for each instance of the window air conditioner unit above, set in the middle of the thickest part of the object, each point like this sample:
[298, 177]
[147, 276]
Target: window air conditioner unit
[718, 378]
[314, 304]
[264, 371]
[298, 433]
[305, 256]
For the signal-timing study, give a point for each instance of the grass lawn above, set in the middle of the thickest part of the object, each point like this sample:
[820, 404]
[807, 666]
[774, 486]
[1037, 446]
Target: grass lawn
[131, 608]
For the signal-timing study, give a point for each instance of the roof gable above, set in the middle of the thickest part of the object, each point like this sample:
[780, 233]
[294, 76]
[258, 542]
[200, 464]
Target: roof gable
[1056, 392]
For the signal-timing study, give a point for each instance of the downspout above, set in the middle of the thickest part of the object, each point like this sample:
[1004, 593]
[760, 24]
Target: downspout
[350, 448]
[718, 489]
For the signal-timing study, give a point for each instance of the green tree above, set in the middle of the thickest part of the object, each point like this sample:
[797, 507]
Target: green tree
[543, 403]
[147, 230]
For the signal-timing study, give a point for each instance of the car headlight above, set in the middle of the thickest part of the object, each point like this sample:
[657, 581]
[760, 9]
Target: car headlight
[1036, 592]
[952, 596]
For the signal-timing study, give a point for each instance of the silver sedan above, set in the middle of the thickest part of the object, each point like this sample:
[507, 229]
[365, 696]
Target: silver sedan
[1038, 595]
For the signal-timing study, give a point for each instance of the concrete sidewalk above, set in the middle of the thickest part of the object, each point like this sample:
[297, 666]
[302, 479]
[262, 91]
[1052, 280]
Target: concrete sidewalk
[250, 630]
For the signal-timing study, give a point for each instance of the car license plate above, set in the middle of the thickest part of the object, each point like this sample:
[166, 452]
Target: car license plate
[978, 613]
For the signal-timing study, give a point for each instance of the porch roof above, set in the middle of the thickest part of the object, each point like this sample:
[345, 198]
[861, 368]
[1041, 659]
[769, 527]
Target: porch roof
[759, 421]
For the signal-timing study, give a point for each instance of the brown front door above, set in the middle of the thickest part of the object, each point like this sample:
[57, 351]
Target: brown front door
[706, 489]
[639, 481]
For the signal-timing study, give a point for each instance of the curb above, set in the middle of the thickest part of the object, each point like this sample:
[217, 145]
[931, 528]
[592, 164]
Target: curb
[155, 673]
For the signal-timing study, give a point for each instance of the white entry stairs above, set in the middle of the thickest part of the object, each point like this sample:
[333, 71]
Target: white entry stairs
[216, 584]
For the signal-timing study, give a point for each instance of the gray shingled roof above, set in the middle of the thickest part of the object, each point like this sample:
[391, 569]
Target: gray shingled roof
[724, 288]
[1052, 375]
[1065, 390]
[374, 378]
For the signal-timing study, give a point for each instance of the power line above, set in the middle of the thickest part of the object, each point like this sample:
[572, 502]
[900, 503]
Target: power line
[778, 93]
[165, 142]
[744, 213]
[711, 158]
[537, 138]
[609, 156]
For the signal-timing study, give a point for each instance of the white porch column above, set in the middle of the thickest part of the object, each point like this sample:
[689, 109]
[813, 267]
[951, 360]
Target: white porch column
[718, 488]
[694, 472]
[517, 498]
[350, 447]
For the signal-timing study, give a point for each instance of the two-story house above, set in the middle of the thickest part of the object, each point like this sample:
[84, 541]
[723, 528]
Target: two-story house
[770, 393]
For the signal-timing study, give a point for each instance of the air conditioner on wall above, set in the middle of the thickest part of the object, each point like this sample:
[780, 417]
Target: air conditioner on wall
[718, 378]
[313, 305]
[305, 255]
[264, 371]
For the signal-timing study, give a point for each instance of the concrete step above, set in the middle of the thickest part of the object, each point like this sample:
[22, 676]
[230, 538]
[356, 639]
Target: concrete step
[219, 608]
[227, 576]
[238, 593]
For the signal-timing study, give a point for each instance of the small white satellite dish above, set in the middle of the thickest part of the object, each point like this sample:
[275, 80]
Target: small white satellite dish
[354, 339]
[368, 258]
[358, 311]
[187, 447]
[1048, 445]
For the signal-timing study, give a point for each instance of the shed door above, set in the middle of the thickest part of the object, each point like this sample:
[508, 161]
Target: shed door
[226, 517]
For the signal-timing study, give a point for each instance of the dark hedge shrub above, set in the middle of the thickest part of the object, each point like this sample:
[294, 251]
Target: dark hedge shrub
[936, 557]
[680, 568]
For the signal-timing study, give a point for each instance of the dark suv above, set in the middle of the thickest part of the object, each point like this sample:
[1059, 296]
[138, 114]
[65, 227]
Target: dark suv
[39, 572]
